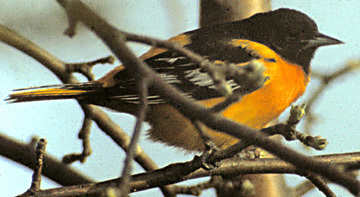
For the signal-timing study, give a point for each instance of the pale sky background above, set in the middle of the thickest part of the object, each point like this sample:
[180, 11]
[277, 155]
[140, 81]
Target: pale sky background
[43, 22]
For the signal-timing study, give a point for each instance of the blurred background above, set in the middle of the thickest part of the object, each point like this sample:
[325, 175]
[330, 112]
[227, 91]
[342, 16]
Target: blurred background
[44, 22]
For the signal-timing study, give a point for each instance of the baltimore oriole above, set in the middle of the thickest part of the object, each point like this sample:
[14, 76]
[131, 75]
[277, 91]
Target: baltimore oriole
[283, 40]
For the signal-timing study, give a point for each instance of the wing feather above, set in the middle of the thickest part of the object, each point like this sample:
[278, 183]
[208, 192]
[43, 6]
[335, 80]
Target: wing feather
[180, 72]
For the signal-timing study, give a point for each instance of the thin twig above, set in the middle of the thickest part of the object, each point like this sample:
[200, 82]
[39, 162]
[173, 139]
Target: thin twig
[85, 68]
[326, 79]
[14, 39]
[143, 84]
[227, 102]
[250, 77]
[107, 125]
[289, 132]
[115, 40]
[104, 122]
[36, 178]
[54, 169]
[320, 183]
[210, 147]
[307, 185]
[218, 71]
[203, 135]
[303, 188]
[72, 25]
[84, 135]
[316, 142]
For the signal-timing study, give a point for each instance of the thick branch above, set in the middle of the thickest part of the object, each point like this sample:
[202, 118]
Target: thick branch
[115, 40]
[174, 173]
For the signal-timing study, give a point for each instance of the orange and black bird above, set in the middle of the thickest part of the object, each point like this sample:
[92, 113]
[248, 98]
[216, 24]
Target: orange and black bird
[283, 40]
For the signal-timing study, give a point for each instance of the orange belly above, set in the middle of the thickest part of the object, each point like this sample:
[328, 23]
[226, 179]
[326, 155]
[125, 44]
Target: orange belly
[286, 83]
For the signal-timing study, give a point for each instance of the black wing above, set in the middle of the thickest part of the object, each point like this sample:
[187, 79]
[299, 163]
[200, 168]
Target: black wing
[180, 72]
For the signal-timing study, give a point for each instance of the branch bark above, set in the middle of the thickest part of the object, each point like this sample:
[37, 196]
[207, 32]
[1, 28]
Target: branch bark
[115, 40]
[58, 67]
[53, 168]
[174, 173]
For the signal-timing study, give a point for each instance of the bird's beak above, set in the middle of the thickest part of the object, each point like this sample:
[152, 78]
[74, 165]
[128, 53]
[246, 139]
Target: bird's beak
[322, 40]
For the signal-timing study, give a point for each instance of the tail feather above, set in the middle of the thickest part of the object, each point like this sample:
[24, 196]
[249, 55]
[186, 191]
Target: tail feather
[53, 92]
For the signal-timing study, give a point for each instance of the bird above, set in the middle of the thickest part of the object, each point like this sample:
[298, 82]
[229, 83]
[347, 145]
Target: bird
[283, 40]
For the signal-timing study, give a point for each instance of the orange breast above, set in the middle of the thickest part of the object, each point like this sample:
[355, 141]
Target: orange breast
[286, 83]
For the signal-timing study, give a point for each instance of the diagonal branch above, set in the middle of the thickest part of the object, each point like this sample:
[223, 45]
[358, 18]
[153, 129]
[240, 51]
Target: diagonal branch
[320, 183]
[115, 40]
[249, 77]
[104, 122]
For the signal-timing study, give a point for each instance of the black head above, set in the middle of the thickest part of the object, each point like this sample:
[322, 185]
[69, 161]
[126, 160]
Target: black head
[290, 33]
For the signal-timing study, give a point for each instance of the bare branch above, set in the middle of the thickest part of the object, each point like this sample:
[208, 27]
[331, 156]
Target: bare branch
[249, 77]
[84, 135]
[289, 132]
[115, 40]
[326, 79]
[104, 122]
[36, 178]
[320, 183]
[175, 173]
[54, 169]
[303, 188]
[85, 68]
[307, 185]
[143, 84]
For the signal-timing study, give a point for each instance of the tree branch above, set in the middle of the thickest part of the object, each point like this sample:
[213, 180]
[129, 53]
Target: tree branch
[175, 173]
[55, 65]
[54, 169]
[84, 135]
[320, 183]
[36, 178]
[143, 84]
[250, 77]
[326, 79]
[115, 40]
[85, 68]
